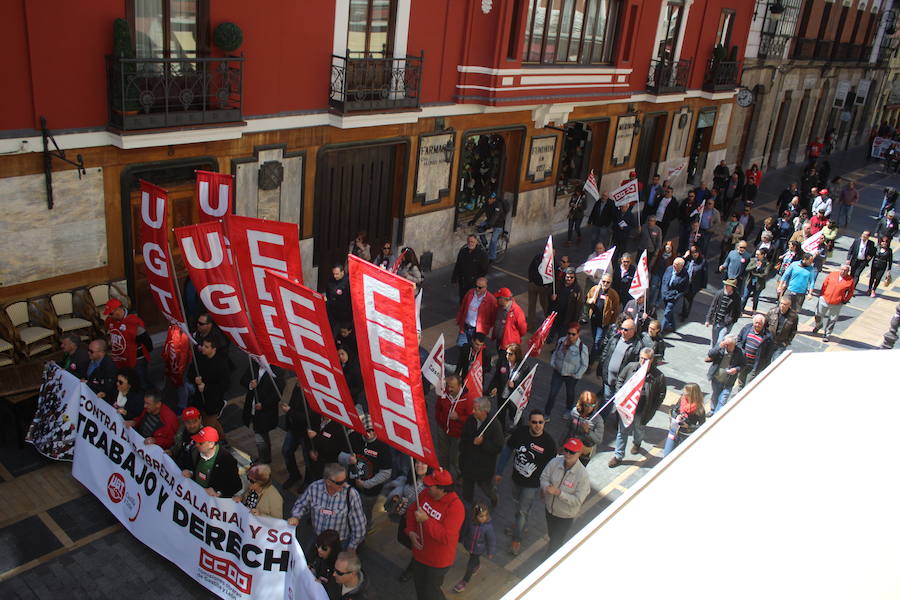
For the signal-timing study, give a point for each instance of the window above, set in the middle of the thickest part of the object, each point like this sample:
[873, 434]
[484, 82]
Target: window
[571, 31]
[168, 28]
[370, 33]
[726, 26]
[671, 27]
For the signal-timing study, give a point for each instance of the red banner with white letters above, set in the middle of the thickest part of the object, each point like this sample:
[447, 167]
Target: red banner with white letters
[157, 256]
[384, 311]
[300, 313]
[204, 254]
[215, 195]
[258, 245]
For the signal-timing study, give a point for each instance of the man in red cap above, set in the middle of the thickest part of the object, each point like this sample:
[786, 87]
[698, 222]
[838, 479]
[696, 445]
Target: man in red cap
[126, 332]
[183, 442]
[432, 525]
[509, 320]
[157, 423]
[212, 467]
[565, 485]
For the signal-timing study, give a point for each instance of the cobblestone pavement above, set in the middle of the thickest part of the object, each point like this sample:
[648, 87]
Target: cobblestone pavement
[61, 542]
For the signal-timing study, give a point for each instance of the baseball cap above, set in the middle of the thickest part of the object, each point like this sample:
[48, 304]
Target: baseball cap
[822, 210]
[632, 174]
[503, 293]
[207, 434]
[111, 305]
[190, 413]
[573, 445]
[439, 477]
[823, 191]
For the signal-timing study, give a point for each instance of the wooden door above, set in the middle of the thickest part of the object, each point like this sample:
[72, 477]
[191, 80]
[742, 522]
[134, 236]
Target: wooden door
[355, 191]
[181, 210]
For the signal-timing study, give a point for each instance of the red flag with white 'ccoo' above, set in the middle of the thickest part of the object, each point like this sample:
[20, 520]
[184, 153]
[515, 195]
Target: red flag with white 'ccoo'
[522, 393]
[540, 336]
[474, 382]
[545, 268]
[628, 396]
[590, 186]
[641, 280]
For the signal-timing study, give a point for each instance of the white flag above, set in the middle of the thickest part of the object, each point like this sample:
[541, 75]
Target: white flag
[673, 173]
[590, 186]
[626, 399]
[520, 395]
[433, 367]
[598, 264]
[546, 267]
[641, 280]
[625, 193]
[811, 245]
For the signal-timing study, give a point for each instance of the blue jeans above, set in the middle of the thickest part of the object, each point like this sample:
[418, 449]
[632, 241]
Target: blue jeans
[669, 311]
[719, 332]
[779, 350]
[719, 398]
[753, 289]
[523, 498]
[495, 236]
[653, 295]
[556, 382]
[598, 338]
[845, 213]
[624, 432]
[672, 440]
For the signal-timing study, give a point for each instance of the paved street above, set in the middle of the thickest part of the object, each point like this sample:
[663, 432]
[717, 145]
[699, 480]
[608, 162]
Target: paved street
[57, 541]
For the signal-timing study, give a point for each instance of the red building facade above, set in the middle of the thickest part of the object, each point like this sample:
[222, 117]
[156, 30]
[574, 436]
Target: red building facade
[397, 117]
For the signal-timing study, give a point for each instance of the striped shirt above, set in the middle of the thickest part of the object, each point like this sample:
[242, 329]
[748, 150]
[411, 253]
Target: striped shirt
[331, 512]
[751, 346]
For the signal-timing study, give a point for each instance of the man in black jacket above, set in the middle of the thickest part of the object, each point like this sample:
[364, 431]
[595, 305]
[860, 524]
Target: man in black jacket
[478, 451]
[75, 358]
[723, 312]
[860, 253]
[471, 263]
[211, 373]
[622, 277]
[337, 297]
[101, 372]
[298, 434]
[467, 354]
[213, 467]
[537, 289]
[601, 217]
[261, 407]
[494, 210]
[652, 395]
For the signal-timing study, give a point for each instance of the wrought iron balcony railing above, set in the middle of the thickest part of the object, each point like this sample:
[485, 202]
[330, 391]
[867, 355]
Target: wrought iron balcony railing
[370, 83]
[667, 76]
[153, 93]
[721, 75]
[824, 49]
[771, 45]
[804, 49]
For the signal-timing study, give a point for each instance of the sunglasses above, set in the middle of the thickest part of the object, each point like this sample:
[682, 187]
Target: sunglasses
[337, 483]
[537, 422]
[481, 287]
[202, 322]
[342, 573]
[323, 548]
[386, 248]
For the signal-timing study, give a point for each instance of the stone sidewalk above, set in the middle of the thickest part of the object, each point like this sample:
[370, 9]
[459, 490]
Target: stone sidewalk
[57, 541]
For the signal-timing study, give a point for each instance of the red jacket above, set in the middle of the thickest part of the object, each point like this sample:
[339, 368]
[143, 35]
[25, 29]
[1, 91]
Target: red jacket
[816, 224]
[442, 413]
[514, 328]
[484, 321]
[440, 533]
[165, 433]
[836, 290]
[123, 344]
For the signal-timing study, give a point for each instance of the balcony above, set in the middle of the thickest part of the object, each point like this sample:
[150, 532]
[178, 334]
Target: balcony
[824, 49]
[668, 76]
[154, 93]
[370, 83]
[772, 45]
[804, 49]
[721, 75]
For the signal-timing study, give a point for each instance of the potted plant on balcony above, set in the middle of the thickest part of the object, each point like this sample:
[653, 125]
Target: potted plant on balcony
[124, 100]
[228, 37]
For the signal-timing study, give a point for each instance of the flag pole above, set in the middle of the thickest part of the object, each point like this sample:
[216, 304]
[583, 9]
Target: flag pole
[412, 466]
[553, 262]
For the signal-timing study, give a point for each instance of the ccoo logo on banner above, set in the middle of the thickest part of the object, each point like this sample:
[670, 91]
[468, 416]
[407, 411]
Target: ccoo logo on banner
[231, 552]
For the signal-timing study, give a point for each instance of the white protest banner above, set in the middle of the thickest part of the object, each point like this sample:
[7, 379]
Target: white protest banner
[641, 280]
[522, 393]
[626, 399]
[598, 264]
[812, 243]
[218, 542]
[545, 268]
[625, 193]
[52, 430]
[433, 367]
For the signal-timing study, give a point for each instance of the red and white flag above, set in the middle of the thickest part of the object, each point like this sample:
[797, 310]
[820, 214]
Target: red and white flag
[157, 255]
[384, 309]
[590, 186]
[598, 264]
[258, 245]
[641, 280]
[626, 399]
[540, 336]
[434, 365]
[301, 314]
[522, 393]
[675, 171]
[176, 354]
[203, 251]
[396, 266]
[215, 195]
[625, 193]
[546, 268]
[474, 383]
[812, 243]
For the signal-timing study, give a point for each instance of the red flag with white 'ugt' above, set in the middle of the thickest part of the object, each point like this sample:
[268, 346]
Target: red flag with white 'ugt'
[215, 195]
[540, 336]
